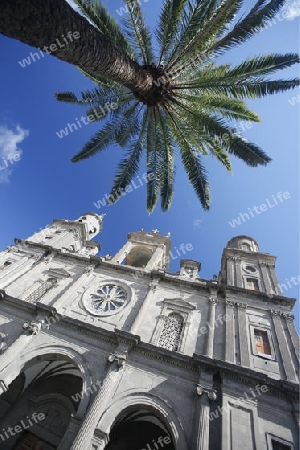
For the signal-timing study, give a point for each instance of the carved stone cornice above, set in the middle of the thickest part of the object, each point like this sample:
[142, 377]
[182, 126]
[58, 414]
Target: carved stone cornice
[89, 269]
[275, 313]
[288, 317]
[229, 303]
[211, 393]
[241, 305]
[153, 285]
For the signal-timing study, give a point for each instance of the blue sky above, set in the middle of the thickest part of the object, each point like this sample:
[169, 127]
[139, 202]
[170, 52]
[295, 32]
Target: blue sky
[42, 184]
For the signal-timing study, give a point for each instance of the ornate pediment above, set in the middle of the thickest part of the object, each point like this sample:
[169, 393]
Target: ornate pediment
[179, 303]
[58, 273]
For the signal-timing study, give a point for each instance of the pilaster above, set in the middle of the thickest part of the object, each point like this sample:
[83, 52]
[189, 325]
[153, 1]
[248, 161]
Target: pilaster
[111, 378]
[30, 330]
[283, 347]
[140, 313]
[205, 396]
[230, 332]
[289, 319]
[243, 339]
[211, 332]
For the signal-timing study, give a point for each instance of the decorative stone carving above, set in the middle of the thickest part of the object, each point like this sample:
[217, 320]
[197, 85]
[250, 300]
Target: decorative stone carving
[120, 359]
[35, 327]
[41, 290]
[89, 269]
[275, 313]
[211, 393]
[241, 305]
[3, 344]
[153, 285]
[171, 334]
[229, 303]
[213, 300]
[288, 316]
[108, 299]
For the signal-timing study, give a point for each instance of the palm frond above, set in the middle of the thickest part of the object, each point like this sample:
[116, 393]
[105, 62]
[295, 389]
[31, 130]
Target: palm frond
[211, 27]
[137, 32]
[168, 25]
[129, 166]
[106, 136]
[221, 105]
[192, 164]
[168, 166]
[154, 160]
[250, 153]
[258, 17]
[105, 23]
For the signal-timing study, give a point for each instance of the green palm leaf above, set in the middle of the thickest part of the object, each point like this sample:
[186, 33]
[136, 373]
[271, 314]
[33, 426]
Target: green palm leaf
[105, 23]
[129, 166]
[138, 34]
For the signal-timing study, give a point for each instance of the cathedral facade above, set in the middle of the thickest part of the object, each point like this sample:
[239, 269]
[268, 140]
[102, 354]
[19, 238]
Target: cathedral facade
[117, 353]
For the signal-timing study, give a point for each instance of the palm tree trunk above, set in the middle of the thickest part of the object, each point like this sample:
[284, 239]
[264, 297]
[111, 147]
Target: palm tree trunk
[42, 23]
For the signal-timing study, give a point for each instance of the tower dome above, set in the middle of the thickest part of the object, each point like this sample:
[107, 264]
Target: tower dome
[93, 224]
[245, 243]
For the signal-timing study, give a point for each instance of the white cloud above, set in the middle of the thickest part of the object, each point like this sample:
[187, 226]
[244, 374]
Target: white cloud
[291, 9]
[197, 223]
[9, 140]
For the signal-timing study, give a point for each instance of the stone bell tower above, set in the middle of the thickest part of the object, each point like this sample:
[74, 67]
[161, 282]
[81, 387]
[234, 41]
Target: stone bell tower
[145, 250]
[244, 266]
[72, 235]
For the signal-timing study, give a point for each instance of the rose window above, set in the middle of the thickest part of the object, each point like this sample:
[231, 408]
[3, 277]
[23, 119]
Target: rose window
[106, 300]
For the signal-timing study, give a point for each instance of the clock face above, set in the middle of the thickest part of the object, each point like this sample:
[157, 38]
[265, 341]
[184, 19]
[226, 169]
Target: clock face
[106, 300]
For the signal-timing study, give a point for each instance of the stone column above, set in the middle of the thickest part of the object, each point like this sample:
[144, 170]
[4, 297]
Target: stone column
[244, 347]
[156, 258]
[13, 351]
[121, 255]
[230, 327]
[205, 396]
[112, 376]
[230, 269]
[283, 347]
[141, 312]
[211, 323]
[266, 277]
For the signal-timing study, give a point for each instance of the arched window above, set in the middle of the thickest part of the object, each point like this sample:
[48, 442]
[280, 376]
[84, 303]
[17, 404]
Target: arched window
[41, 290]
[171, 333]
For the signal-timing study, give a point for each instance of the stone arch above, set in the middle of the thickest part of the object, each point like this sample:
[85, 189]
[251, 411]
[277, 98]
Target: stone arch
[67, 353]
[161, 408]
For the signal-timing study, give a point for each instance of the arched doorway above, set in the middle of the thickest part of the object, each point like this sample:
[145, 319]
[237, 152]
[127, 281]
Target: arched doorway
[139, 429]
[35, 411]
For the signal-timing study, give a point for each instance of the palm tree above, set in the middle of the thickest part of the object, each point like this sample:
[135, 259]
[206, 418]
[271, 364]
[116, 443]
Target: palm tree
[178, 99]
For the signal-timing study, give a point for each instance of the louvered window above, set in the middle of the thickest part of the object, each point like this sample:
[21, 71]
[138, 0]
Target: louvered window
[252, 284]
[276, 445]
[262, 342]
[171, 333]
[7, 263]
[41, 290]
